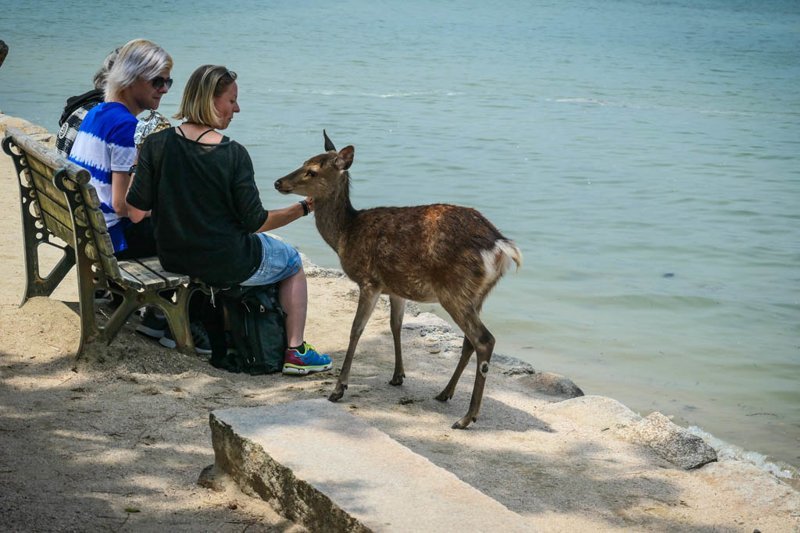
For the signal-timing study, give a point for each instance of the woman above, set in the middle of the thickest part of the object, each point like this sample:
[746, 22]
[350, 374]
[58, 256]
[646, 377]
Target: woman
[208, 217]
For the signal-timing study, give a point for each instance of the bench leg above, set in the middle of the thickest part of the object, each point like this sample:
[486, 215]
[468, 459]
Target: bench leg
[35, 283]
[91, 331]
[34, 233]
[131, 301]
[177, 315]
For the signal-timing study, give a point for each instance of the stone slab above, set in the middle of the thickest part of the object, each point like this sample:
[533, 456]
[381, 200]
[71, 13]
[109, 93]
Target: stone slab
[325, 468]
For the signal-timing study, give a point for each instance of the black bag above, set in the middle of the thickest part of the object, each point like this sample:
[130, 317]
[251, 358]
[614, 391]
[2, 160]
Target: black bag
[255, 342]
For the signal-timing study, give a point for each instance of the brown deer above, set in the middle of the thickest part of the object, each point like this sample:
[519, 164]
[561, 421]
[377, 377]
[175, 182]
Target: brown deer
[431, 253]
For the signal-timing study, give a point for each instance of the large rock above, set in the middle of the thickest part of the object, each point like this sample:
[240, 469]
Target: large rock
[671, 441]
[668, 440]
[322, 467]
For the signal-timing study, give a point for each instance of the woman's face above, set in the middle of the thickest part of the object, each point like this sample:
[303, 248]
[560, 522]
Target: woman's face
[226, 105]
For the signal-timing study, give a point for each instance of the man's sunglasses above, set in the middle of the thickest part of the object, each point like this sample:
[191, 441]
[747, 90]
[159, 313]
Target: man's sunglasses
[159, 82]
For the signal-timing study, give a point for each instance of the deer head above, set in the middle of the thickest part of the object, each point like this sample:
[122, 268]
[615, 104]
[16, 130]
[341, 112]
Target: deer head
[322, 175]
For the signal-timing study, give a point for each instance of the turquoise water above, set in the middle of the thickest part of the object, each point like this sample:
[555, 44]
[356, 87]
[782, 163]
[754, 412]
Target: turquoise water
[644, 155]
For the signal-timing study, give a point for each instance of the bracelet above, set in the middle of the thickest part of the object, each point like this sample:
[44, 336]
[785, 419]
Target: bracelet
[306, 210]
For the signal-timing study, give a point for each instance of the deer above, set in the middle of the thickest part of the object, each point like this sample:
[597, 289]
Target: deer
[429, 253]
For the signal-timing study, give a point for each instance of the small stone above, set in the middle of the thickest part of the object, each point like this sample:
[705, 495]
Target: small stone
[545, 382]
[211, 478]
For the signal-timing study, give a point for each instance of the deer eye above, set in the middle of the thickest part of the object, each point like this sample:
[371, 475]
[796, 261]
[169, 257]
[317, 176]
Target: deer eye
[311, 174]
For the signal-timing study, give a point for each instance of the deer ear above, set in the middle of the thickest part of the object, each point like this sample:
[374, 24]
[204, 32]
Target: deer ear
[328, 143]
[345, 158]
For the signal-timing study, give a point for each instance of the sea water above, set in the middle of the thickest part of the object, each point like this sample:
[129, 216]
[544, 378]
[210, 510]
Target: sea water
[644, 155]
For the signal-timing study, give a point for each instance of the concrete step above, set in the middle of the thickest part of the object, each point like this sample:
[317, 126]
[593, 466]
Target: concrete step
[328, 470]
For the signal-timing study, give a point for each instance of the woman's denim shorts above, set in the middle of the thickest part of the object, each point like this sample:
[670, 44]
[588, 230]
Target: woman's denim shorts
[278, 262]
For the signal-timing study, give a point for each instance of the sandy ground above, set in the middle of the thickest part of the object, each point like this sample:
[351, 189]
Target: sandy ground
[116, 440]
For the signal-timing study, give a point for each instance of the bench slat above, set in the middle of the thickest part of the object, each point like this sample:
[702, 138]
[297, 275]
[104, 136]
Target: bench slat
[58, 229]
[101, 236]
[144, 275]
[96, 220]
[90, 197]
[112, 268]
[103, 240]
[129, 280]
[43, 182]
[54, 211]
[173, 279]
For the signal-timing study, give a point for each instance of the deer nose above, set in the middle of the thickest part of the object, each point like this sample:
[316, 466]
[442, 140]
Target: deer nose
[278, 184]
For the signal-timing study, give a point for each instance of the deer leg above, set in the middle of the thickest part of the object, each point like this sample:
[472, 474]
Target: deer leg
[466, 352]
[483, 341]
[398, 307]
[484, 346]
[367, 298]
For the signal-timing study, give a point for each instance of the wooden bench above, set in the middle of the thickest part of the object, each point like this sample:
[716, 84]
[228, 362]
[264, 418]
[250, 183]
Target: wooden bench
[61, 209]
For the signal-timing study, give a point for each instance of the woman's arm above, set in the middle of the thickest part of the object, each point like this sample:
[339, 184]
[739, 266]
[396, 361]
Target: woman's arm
[277, 218]
[140, 196]
[136, 215]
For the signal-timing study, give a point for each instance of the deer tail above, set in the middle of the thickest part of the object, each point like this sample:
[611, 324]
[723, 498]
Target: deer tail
[511, 252]
[498, 259]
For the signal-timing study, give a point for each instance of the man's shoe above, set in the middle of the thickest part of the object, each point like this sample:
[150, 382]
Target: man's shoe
[308, 362]
[152, 325]
[103, 296]
[199, 335]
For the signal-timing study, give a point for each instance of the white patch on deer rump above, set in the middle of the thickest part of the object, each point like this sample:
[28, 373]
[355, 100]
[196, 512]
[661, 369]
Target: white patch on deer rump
[498, 260]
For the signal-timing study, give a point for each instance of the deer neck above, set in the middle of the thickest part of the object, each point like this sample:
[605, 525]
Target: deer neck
[334, 215]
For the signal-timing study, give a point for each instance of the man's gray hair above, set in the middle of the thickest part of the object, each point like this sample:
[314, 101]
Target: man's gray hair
[139, 58]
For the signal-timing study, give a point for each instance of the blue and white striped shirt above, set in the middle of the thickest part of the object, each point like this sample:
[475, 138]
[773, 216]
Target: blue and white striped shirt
[104, 144]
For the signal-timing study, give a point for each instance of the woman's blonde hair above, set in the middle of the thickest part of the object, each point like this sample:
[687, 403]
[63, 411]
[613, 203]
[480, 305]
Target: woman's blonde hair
[197, 103]
[138, 58]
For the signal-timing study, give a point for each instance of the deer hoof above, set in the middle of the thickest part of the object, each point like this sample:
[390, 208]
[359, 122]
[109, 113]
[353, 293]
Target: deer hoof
[397, 380]
[337, 394]
[462, 424]
[443, 397]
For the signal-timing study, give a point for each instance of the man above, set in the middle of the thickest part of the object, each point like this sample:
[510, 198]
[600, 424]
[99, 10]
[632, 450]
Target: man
[104, 144]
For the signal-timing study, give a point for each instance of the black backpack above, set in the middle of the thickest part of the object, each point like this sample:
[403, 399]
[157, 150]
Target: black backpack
[255, 342]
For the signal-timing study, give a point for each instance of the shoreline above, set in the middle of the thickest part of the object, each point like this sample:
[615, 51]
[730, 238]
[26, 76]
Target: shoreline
[140, 412]
[438, 327]
[743, 421]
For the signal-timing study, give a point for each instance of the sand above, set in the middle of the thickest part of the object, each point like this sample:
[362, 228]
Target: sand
[116, 439]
